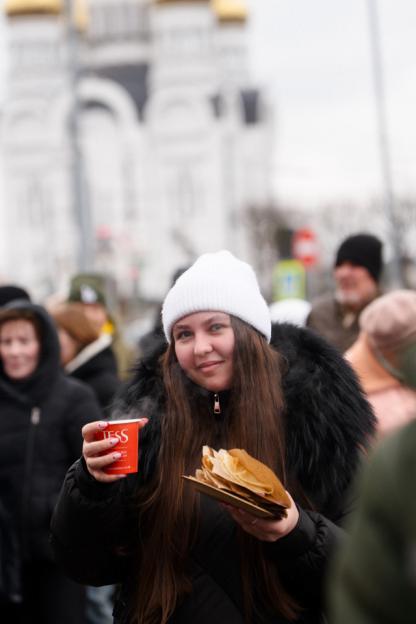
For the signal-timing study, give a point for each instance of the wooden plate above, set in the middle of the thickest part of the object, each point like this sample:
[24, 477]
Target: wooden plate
[231, 499]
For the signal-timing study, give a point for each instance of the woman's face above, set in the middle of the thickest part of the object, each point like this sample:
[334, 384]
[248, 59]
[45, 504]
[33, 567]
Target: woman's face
[19, 348]
[204, 346]
[69, 346]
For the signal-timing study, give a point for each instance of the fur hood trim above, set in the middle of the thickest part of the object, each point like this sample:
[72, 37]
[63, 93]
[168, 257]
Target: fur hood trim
[329, 421]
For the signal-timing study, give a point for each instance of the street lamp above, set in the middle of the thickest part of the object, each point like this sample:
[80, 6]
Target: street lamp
[78, 181]
[384, 147]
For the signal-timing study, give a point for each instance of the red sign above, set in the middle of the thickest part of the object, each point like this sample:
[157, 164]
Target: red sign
[305, 247]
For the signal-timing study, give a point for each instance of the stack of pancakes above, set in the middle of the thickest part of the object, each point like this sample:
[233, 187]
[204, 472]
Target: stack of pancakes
[237, 473]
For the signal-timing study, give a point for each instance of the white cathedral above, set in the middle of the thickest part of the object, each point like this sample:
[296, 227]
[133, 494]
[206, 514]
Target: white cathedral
[173, 141]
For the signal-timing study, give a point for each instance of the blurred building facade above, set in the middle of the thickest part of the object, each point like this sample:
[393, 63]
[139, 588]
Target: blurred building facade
[175, 140]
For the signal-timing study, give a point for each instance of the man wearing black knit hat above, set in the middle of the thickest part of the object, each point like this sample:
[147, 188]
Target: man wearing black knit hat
[357, 270]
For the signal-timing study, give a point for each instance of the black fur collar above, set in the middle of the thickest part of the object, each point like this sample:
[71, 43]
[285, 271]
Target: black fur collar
[329, 421]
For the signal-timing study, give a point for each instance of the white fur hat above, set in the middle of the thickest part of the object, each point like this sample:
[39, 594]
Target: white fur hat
[220, 282]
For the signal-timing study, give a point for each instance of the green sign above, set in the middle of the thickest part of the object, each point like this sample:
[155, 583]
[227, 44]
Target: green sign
[289, 280]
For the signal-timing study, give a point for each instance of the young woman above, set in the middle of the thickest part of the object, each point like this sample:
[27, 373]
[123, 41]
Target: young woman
[41, 412]
[181, 557]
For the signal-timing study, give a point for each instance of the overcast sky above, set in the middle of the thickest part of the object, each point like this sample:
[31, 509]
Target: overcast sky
[313, 58]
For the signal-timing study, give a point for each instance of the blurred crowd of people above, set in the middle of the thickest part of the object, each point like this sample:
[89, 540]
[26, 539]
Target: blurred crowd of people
[323, 391]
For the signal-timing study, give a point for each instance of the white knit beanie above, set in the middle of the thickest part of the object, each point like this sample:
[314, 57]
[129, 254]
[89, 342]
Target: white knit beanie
[222, 283]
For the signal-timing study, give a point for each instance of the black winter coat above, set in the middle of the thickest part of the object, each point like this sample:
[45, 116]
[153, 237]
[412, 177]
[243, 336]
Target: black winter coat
[96, 366]
[40, 437]
[328, 424]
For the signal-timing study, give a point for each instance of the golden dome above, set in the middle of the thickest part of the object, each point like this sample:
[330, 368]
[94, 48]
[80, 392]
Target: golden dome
[48, 7]
[30, 7]
[230, 10]
[177, 1]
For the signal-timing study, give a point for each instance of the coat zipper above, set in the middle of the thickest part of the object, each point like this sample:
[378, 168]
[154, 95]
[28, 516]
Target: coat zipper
[35, 416]
[217, 406]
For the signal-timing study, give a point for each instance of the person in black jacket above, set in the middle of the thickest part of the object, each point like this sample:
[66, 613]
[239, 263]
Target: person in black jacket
[86, 354]
[181, 557]
[41, 415]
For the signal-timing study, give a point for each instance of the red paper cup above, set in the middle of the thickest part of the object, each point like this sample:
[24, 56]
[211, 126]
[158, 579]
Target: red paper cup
[127, 432]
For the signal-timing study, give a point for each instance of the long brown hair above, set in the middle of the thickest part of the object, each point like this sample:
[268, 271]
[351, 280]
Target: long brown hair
[168, 511]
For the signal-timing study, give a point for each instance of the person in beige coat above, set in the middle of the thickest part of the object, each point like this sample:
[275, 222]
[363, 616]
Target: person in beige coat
[384, 357]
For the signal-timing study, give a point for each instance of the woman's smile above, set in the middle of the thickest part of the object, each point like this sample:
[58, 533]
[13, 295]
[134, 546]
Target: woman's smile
[207, 366]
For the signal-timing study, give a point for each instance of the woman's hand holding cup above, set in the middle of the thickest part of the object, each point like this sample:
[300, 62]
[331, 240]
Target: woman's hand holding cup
[101, 454]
